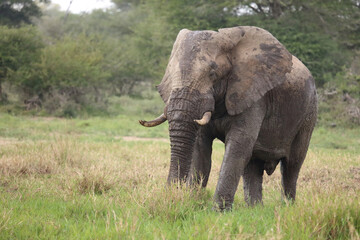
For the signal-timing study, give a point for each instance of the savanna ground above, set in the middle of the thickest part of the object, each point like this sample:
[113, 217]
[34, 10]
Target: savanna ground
[87, 179]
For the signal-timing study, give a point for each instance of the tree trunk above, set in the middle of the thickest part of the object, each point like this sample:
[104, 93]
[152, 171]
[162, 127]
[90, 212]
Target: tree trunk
[1, 95]
[275, 8]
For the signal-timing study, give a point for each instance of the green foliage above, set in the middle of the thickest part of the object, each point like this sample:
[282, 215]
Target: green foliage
[323, 55]
[320, 54]
[191, 14]
[145, 52]
[132, 51]
[63, 75]
[15, 12]
[310, 30]
[19, 48]
[87, 58]
[347, 83]
[68, 64]
[339, 101]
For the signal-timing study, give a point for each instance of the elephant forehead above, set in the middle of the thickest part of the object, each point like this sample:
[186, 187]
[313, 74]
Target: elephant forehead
[192, 48]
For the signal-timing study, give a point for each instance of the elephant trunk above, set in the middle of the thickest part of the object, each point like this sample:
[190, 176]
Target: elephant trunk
[184, 106]
[182, 139]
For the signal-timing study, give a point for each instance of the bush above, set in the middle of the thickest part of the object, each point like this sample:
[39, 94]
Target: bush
[19, 48]
[65, 72]
[67, 65]
[339, 102]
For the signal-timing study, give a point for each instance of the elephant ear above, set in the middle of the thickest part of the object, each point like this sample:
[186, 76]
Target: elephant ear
[259, 63]
[165, 87]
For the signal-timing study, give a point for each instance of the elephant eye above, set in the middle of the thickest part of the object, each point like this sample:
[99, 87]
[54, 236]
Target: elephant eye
[213, 65]
[212, 74]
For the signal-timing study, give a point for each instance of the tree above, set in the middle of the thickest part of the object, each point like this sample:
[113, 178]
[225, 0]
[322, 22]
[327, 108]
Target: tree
[15, 12]
[67, 65]
[319, 32]
[19, 48]
[338, 18]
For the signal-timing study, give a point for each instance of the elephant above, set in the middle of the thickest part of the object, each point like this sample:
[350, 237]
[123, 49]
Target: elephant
[243, 87]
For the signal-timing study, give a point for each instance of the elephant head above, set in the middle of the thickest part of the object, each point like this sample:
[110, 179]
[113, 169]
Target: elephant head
[235, 66]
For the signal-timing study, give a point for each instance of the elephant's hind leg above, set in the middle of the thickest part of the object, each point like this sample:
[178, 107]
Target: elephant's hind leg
[201, 158]
[253, 179]
[290, 167]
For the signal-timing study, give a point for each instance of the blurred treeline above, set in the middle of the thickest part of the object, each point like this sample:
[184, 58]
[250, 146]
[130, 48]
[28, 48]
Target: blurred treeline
[63, 64]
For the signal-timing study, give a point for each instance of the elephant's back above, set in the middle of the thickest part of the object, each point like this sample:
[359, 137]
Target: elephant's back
[298, 91]
[299, 79]
[300, 88]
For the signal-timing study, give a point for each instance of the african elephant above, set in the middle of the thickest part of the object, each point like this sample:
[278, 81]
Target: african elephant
[242, 86]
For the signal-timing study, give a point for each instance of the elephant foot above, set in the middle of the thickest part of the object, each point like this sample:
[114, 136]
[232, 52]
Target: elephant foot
[217, 208]
[223, 204]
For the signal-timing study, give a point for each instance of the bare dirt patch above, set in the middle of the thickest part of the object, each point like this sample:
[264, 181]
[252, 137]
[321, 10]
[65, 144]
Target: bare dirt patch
[7, 141]
[133, 138]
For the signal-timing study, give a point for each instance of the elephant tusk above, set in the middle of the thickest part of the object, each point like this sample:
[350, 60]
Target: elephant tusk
[205, 119]
[157, 121]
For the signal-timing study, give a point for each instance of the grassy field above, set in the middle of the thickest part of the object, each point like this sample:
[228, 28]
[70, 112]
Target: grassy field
[81, 179]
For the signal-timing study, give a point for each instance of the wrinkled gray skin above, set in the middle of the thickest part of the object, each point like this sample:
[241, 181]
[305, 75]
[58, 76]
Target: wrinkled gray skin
[263, 103]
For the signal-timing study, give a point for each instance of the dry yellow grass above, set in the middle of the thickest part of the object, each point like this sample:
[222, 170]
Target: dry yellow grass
[120, 187]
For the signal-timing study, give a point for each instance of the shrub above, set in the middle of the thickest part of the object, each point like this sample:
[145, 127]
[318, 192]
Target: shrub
[19, 48]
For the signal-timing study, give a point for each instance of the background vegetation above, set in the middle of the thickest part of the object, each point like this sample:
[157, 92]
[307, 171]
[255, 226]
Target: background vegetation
[69, 65]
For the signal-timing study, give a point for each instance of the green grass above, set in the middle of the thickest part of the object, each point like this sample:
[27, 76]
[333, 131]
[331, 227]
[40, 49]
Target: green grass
[80, 179]
[96, 128]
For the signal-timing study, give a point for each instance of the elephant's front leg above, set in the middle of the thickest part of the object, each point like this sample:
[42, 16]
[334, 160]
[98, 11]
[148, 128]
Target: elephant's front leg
[201, 158]
[237, 155]
[239, 142]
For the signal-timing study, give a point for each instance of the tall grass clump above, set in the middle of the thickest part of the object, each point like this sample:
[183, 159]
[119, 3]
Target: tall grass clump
[36, 158]
[174, 203]
[95, 180]
[327, 215]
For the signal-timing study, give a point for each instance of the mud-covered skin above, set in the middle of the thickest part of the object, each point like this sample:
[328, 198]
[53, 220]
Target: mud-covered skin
[263, 103]
[277, 127]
